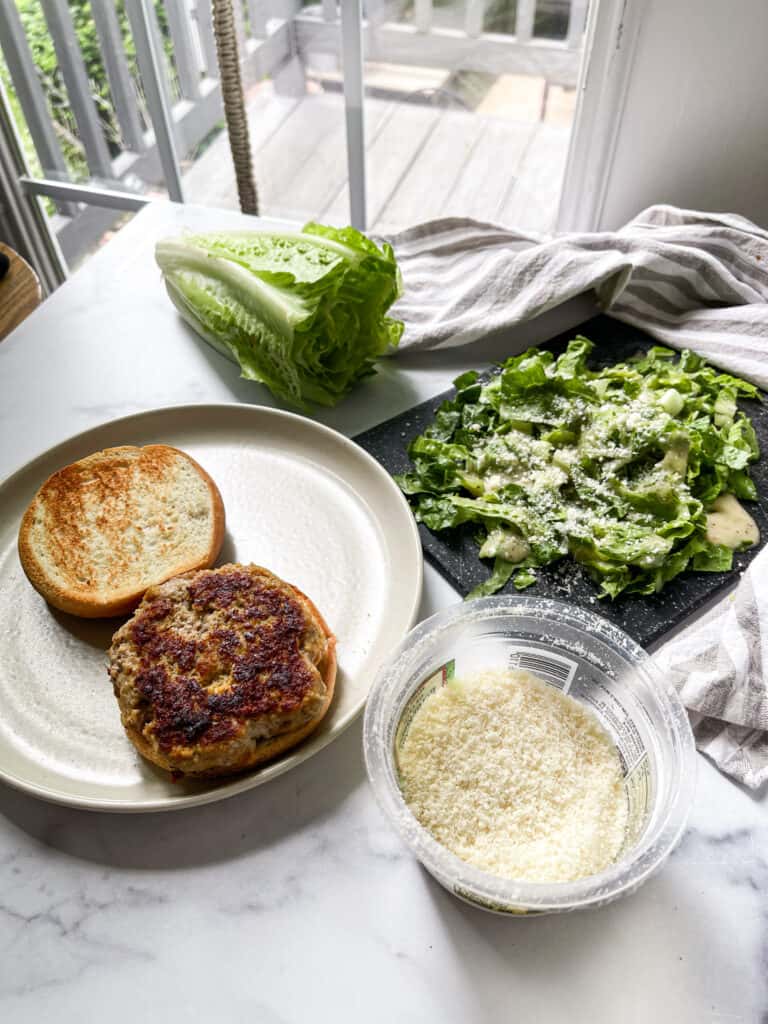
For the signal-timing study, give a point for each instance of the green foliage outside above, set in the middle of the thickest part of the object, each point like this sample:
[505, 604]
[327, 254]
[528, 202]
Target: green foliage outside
[52, 80]
[551, 20]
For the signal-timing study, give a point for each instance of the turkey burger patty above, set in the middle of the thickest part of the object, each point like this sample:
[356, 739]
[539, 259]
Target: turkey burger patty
[221, 669]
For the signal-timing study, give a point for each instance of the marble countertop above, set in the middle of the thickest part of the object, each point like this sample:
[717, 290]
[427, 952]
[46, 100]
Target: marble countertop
[296, 901]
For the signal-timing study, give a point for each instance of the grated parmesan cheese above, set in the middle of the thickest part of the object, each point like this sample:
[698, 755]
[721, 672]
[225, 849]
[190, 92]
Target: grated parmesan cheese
[515, 777]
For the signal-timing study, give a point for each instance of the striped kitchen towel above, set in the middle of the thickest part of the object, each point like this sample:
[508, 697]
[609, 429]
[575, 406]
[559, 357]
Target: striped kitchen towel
[692, 280]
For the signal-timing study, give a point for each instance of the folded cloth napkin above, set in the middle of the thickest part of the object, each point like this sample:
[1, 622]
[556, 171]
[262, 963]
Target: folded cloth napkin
[692, 280]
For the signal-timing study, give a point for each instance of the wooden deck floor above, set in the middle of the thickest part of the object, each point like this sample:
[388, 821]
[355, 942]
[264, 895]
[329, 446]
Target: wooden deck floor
[423, 162]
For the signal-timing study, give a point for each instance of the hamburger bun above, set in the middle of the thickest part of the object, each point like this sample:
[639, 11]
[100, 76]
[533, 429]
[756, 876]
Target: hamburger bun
[102, 530]
[222, 669]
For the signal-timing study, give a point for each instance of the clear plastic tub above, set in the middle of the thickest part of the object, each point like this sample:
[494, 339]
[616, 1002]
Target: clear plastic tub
[587, 657]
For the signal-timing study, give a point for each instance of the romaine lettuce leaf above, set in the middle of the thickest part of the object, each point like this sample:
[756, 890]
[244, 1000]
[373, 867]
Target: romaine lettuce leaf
[301, 312]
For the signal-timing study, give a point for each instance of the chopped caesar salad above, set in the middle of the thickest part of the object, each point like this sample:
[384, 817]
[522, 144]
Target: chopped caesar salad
[635, 470]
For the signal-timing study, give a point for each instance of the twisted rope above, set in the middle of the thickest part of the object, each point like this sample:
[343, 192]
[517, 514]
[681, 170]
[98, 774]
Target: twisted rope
[234, 104]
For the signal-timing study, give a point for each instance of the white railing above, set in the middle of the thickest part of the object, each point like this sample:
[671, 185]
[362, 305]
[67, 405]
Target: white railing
[170, 99]
[163, 107]
[398, 32]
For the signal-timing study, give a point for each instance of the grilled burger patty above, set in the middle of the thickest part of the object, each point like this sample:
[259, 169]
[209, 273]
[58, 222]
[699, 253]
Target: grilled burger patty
[221, 669]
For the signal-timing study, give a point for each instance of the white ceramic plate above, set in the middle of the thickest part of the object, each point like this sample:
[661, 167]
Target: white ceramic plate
[301, 500]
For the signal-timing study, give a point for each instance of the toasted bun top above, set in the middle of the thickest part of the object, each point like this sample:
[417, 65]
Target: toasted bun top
[102, 530]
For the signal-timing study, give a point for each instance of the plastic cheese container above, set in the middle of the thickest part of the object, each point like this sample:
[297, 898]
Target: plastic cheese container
[593, 661]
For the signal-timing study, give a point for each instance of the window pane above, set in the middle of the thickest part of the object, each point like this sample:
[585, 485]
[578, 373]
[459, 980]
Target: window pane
[464, 119]
[468, 108]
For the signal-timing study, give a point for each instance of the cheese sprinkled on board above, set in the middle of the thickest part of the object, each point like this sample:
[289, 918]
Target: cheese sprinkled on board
[515, 777]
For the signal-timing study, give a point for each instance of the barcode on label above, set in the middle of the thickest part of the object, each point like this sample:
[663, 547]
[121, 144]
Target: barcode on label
[554, 669]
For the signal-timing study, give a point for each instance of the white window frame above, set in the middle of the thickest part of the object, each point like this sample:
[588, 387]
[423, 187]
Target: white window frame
[609, 48]
[610, 45]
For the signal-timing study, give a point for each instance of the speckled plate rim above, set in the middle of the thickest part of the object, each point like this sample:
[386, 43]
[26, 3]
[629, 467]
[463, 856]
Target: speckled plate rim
[80, 444]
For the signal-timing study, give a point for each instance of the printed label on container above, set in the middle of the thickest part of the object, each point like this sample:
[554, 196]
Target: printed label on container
[637, 786]
[629, 742]
[551, 668]
[497, 908]
[443, 675]
[494, 650]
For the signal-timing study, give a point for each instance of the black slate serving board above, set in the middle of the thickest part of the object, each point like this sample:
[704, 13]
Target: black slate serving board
[645, 618]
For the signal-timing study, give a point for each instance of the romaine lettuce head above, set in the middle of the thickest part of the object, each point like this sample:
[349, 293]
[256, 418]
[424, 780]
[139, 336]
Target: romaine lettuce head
[302, 312]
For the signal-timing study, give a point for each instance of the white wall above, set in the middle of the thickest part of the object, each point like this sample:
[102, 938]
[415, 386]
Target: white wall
[694, 130]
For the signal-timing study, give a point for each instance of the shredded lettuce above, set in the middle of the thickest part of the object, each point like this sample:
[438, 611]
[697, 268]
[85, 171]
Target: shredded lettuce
[615, 467]
[301, 312]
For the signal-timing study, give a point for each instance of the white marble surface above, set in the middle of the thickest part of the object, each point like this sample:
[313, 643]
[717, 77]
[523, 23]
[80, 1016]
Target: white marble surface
[296, 901]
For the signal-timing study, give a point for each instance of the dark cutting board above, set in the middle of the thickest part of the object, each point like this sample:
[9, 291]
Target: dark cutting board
[646, 618]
